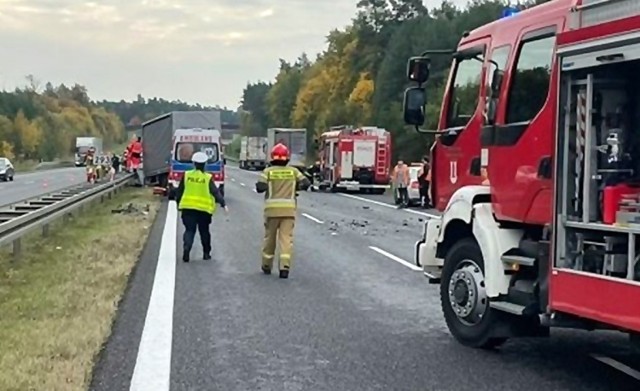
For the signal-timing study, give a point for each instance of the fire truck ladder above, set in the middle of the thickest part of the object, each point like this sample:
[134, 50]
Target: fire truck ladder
[381, 159]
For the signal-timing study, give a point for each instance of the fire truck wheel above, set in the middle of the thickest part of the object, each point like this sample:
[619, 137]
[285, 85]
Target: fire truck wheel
[464, 299]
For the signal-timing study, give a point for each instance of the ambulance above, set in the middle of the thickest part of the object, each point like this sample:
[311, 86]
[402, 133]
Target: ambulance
[186, 142]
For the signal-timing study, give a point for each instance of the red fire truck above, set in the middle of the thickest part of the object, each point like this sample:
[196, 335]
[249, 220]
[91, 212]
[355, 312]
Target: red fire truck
[355, 159]
[536, 170]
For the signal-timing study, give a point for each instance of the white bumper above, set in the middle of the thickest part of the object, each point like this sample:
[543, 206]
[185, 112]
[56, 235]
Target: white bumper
[425, 250]
[355, 185]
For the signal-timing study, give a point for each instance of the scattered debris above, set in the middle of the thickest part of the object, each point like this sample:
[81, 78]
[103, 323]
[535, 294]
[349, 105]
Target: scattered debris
[133, 209]
[366, 207]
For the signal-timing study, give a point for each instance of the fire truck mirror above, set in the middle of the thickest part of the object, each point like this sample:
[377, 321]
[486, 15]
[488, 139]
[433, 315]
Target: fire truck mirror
[496, 82]
[415, 99]
[418, 69]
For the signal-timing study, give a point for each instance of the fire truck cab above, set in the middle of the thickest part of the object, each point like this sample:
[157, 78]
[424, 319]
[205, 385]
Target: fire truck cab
[537, 173]
[355, 159]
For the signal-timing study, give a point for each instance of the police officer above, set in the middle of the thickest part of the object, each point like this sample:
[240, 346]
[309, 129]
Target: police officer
[197, 195]
[280, 183]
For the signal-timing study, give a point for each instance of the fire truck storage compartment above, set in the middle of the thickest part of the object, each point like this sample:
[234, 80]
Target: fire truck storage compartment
[598, 167]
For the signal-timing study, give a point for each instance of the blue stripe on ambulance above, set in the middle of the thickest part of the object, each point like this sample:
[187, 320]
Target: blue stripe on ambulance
[212, 167]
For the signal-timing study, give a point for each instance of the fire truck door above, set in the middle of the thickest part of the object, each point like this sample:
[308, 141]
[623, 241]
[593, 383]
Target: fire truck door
[331, 161]
[346, 159]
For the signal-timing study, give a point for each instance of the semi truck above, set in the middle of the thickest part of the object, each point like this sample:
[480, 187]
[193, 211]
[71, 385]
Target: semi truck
[536, 178]
[157, 140]
[294, 139]
[253, 153]
[355, 159]
[83, 144]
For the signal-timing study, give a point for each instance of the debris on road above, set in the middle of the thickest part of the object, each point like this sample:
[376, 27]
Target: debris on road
[130, 208]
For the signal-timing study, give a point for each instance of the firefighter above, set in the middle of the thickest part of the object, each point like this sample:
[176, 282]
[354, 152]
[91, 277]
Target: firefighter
[280, 183]
[197, 196]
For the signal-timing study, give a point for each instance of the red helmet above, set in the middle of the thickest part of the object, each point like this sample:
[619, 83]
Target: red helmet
[280, 152]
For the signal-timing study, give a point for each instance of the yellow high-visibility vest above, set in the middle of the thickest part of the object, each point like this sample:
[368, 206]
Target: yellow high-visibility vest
[196, 194]
[280, 199]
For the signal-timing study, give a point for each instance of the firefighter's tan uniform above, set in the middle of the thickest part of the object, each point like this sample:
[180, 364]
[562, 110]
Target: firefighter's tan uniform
[279, 213]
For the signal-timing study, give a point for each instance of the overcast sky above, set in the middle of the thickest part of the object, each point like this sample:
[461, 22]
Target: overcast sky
[201, 51]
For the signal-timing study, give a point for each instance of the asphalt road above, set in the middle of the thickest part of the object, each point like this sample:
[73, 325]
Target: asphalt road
[37, 183]
[354, 314]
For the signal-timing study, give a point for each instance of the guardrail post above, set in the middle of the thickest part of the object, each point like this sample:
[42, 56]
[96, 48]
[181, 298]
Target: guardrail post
[17, 247]
[45, 230]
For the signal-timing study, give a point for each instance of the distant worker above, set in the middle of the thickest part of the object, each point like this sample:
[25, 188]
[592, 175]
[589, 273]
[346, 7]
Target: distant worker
[424, 178]
[115, 163]
[135, 153]
[280, 183]
[90, 164]
[401, 181]
[197, 196]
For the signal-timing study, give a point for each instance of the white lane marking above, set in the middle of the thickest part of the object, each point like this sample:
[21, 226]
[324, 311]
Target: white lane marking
[388, 205]
[394, 258]
[617, 365]
[242, 184]
[313, 218]
[153, 364]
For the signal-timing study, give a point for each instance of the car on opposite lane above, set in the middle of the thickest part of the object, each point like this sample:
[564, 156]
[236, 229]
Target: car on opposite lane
[6, 169]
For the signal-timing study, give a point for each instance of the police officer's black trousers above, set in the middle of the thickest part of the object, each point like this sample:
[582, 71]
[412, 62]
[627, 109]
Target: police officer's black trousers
[192, 220]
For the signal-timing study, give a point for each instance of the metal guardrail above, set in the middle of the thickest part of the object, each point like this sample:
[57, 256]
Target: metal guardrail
[18, 219]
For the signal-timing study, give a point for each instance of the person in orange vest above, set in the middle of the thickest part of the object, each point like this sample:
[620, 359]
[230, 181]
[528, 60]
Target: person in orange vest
[135, 153]
[401, 180]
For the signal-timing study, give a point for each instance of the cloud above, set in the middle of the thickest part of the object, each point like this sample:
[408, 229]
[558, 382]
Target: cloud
[224, 42]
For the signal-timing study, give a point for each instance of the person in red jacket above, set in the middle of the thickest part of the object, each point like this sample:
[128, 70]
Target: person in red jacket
[135, 153]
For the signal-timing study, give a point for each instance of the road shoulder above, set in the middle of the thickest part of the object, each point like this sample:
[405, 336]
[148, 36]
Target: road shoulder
[117, 360]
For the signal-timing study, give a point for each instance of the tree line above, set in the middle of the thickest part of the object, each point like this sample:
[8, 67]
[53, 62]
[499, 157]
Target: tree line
[134, 113]
[42, 123]
[360, 77]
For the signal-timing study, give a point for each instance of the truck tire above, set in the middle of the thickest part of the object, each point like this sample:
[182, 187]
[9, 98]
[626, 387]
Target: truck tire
[465, 304]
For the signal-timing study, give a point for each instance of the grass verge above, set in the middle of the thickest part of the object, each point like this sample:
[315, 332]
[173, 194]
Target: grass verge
[58, 302]
[23, 166]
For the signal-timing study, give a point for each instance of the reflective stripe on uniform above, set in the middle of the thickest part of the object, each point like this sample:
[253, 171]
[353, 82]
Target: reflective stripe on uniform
[280, 203]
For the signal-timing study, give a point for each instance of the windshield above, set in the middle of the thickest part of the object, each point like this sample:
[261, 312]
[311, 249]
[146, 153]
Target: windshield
[3, 162]
[184, 151]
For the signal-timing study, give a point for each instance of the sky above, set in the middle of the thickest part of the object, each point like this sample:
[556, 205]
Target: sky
[198, 51]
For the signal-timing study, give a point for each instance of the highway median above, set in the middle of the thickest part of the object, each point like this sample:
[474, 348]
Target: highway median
[59, 300]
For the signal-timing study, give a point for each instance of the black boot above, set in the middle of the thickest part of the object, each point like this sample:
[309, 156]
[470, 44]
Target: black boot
[206, 256]
[185, 257]
[284, 273]
[266, 270]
